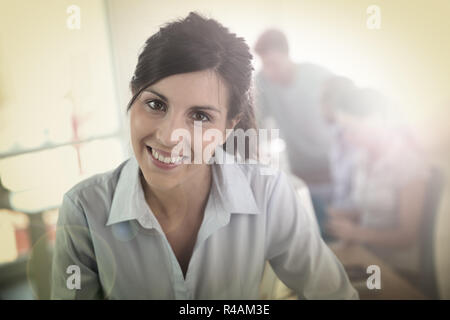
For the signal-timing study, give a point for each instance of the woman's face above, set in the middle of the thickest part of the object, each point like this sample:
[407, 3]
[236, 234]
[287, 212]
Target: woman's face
[186, 103]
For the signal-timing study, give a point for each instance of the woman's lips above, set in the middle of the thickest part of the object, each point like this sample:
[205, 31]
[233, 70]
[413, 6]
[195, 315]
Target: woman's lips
[163, 160]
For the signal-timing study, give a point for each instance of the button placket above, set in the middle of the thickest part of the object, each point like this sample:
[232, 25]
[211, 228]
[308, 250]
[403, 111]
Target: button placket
[191, 273]
[179, 285]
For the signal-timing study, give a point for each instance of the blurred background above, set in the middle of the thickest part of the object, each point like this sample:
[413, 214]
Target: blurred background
[64, 73]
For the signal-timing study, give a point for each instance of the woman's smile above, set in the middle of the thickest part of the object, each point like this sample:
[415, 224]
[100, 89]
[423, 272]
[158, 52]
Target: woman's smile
[163, 159]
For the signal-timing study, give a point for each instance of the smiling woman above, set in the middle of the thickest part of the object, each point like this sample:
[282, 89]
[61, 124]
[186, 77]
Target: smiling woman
[160, 227]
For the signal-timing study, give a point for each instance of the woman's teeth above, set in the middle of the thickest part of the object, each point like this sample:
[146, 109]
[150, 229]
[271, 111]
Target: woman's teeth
[161, 158]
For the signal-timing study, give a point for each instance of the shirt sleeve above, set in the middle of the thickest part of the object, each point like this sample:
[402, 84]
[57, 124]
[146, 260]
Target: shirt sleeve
[296, 251]
[74, 256]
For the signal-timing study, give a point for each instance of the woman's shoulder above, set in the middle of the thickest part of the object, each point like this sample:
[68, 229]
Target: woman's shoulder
[97, 187]
[260, 178]
[278, 194]
[259, 174]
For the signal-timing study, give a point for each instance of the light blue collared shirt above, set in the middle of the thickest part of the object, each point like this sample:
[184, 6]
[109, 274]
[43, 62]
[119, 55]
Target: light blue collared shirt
[106, 228]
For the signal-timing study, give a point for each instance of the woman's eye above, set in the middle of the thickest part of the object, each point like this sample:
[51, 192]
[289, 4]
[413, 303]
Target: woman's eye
[156, 105]
[200, 116]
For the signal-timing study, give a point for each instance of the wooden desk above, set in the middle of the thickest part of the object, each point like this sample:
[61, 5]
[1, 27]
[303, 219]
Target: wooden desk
[393, 286]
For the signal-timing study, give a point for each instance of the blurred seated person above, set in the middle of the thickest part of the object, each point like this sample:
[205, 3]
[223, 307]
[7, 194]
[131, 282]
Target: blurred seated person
[342, 156]
[388, 187]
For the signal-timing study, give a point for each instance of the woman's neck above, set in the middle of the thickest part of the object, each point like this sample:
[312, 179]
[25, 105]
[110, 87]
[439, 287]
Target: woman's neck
[172, 205]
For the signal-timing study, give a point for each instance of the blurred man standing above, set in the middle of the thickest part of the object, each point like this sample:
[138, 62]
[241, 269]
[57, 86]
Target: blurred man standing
[289, 94]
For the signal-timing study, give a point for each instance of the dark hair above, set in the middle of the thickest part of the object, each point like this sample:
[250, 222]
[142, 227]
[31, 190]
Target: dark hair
[194, 44]
[271, 39]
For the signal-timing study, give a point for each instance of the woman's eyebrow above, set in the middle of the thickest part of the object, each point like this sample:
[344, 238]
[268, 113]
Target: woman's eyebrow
[163, 97]
[200, 108]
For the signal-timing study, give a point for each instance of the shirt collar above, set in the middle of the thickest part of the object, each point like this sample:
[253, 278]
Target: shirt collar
[128, 201]
[230, 191]
[231, 185]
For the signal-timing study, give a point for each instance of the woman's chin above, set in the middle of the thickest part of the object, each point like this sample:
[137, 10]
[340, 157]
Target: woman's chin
[162, 180]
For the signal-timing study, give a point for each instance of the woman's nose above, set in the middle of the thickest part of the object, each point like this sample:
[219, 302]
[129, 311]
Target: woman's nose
[168, 130]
